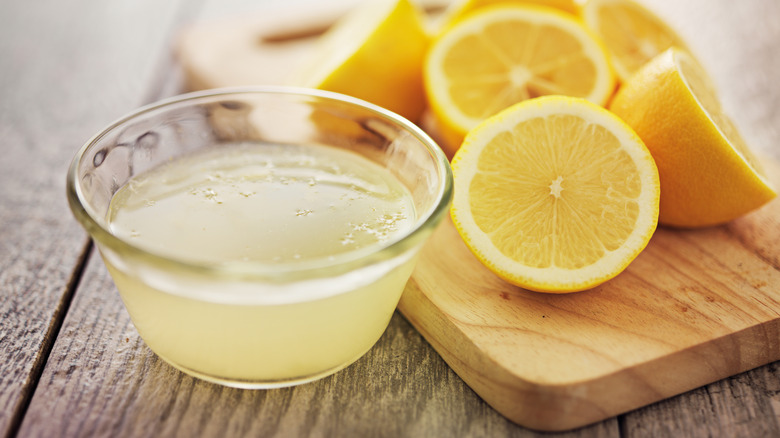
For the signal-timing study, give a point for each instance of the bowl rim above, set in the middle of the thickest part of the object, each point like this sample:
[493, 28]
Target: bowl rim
[273, 272]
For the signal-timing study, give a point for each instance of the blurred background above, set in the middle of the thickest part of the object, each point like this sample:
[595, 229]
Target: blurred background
[90, 41]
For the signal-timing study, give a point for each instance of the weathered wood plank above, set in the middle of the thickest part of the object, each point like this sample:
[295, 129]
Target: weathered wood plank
[747, 405]
[101, 380]
[66, 70]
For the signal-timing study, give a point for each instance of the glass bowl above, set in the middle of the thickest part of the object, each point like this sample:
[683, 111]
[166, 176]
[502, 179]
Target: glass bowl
[199, 205]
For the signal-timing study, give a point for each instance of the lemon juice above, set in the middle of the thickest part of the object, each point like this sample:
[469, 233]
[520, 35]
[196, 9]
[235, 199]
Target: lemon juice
[252, 217]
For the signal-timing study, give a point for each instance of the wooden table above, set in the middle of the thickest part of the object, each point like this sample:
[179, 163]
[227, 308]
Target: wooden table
[71, 363]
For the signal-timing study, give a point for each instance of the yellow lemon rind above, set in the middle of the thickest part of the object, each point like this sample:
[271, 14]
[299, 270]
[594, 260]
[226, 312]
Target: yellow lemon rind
[705, 180]
[376, 54]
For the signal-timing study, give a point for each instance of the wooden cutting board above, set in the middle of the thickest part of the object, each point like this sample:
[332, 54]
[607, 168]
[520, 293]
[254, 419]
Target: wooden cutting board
[695, 307]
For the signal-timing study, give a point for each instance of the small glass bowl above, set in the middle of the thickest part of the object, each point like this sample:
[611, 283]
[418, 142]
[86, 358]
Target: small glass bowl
[257, 325]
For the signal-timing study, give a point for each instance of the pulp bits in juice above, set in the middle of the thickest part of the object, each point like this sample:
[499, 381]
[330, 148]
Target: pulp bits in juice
[276, 206]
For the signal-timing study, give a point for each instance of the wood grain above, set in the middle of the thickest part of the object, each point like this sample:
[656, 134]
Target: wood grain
[744, 406]
[693, 308]
[63, 75]
[102, 381]
[70, 69]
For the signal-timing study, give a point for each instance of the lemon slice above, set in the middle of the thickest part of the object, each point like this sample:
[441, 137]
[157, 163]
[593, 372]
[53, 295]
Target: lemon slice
[555, 194]
[633, 35]
[709, 175]
[504, 54]
[374, 53]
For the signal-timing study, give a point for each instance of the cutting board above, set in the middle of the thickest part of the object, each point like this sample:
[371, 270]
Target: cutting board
[695, 307]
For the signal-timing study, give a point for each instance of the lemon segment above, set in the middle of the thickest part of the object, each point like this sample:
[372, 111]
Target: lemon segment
[709, 175]
[374, 53]
[555, 194]
[633, 34]
[504, 54]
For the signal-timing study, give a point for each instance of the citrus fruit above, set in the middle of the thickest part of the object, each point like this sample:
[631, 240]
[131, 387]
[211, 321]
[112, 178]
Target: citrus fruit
[461, 8]
[633, 34]
[504, 54]
[555, 194]
[708, 173]
[374, 53]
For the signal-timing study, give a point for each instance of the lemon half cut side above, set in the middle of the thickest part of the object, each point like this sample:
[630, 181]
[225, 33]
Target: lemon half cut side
[504, 54]
[555, 194]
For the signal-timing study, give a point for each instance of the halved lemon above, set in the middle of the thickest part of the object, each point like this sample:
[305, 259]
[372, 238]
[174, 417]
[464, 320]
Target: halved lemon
[374, 53]
[709, 175]
[555, 194]
[504, 54]
[632, 33]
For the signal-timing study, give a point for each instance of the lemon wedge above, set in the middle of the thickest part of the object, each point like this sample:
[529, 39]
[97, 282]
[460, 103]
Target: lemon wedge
[374, 53]
[709, 175]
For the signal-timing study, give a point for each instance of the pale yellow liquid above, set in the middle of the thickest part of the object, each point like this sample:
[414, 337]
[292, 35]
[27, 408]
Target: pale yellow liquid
[280, 206]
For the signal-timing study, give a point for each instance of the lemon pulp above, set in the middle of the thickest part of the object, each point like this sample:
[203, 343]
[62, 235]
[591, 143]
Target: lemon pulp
[577, 203]
[555, 194]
